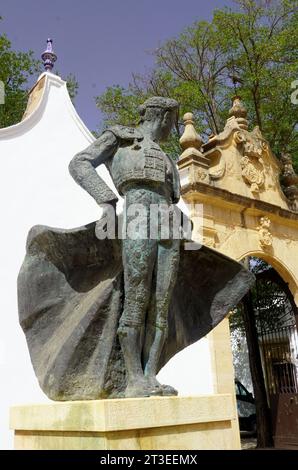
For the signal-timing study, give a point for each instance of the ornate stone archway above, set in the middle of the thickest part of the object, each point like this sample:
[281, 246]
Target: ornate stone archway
[249, 204]
[236, 178]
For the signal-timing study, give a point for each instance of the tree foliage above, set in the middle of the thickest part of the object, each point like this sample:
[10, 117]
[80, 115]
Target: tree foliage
[16, 72]
[251, 51]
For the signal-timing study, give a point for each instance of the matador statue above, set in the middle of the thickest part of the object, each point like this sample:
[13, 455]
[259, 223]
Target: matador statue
[102, 315]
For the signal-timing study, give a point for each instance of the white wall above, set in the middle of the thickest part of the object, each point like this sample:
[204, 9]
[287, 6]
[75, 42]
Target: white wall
[36, 188]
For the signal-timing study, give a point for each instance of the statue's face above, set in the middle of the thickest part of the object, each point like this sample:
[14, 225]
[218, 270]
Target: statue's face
[166, 125]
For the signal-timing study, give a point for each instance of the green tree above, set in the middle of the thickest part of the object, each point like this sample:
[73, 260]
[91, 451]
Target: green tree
[262, 59]
[16, 72]
[120, 105]
[71, 83]
[251, 51]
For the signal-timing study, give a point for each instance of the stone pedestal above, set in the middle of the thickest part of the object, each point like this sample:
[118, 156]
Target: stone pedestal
[172, 423]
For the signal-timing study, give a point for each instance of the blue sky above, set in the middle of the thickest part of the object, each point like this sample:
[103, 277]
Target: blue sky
[102, 42]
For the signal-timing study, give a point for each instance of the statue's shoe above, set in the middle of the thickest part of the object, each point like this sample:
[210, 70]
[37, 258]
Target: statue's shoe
[168, 391]
[142, 390]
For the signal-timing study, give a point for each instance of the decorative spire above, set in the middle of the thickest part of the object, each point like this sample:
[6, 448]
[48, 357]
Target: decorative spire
[49, 56]
[239, 111]
[192, 159]
[190, 137]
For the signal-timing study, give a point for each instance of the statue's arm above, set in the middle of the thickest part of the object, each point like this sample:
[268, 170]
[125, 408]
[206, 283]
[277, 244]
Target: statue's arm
[83, 167]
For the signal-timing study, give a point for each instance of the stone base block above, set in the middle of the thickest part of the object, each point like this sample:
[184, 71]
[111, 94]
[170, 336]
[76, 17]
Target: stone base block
[156, 423]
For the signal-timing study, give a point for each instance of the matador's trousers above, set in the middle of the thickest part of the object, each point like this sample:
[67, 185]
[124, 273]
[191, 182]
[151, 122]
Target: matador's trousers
[150, 265]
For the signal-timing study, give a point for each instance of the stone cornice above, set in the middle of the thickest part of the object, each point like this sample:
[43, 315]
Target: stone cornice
[222, 197]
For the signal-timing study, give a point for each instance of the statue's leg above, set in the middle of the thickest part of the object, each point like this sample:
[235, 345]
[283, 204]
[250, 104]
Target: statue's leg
[138, 263]
[157, 321]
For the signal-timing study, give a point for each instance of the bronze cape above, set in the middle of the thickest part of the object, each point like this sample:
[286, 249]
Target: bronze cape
[70, 292]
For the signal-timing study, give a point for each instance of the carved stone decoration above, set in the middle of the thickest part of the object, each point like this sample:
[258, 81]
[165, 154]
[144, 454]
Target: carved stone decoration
[252, 162]
[242, 162]
[253, 147]
[258, 136]
[289, 181]
[218, 169]
[252, 174]
[264, 232]
[200, 174]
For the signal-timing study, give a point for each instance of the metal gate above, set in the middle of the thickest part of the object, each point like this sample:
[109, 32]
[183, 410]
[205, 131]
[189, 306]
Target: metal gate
[276, 316]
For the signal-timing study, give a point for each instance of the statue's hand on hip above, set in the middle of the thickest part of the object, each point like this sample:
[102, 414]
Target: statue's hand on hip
[106, 226]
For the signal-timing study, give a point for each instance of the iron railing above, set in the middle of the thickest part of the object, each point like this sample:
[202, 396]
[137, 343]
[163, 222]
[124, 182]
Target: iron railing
[279, 352]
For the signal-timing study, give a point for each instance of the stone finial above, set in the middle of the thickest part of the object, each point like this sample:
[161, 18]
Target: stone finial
[190, 137]
[48, 56]
[288, 176]
[239, 112]
[289, 181]
[192, 161]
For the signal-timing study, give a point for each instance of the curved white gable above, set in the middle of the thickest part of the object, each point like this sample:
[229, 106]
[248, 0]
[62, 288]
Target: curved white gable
[33, 118]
